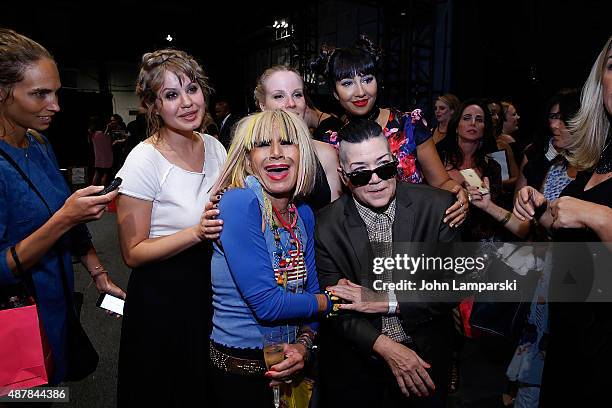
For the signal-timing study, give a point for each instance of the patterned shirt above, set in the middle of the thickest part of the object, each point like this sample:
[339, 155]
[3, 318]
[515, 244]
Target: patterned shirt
[380, 234]
[404, 131]
[556, 180]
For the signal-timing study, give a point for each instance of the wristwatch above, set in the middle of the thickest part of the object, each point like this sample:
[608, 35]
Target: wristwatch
[306, 341]
[392, 303]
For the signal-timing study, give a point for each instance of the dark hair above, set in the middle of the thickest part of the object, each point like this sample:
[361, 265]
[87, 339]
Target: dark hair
[95, 124]
[117, 117]
[498, 130]
[359, 59]
[359, 130]
[569, 104]
[17, 53]
[453, 153]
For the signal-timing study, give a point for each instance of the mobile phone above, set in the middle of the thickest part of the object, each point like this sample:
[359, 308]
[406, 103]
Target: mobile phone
[472, 178]
[110, 302]
[111, 187]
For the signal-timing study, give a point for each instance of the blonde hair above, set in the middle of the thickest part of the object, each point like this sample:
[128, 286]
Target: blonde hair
[257, 128]
[505, 105]
[259, 94]
[151, 80]
[450, 100]
[590, 127]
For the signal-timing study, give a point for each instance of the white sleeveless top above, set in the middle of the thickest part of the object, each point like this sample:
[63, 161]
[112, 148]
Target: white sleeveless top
[178, 195]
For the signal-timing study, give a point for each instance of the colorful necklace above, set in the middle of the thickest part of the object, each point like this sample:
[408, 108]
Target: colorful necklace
[291, 270]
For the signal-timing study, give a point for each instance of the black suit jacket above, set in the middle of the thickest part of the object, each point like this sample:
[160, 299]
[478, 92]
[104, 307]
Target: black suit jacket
[343, 251]
[225, 133]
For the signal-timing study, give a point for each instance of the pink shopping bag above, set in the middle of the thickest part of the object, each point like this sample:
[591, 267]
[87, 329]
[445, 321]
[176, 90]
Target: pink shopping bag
[22, 360]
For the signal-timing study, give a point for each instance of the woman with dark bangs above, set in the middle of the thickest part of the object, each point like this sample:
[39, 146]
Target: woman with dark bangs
[351, 75]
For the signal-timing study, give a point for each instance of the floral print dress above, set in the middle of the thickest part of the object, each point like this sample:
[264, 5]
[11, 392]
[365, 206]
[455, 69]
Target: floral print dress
[404, 131]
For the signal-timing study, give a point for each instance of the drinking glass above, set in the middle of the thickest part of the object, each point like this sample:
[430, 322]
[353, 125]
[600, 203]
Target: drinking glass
[274, 352]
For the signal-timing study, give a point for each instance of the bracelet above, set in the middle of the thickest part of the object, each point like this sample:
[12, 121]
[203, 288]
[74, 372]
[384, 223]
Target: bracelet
[18, 267]
[306, 340]
[506, 218]
[98, 274]
[333, 304]
[98, 270]
[392, 303]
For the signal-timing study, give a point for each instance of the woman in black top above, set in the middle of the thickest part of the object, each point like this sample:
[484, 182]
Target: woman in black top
[576, 369]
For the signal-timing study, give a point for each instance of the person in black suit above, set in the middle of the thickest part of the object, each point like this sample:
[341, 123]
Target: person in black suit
[226, 120]
[379, 353]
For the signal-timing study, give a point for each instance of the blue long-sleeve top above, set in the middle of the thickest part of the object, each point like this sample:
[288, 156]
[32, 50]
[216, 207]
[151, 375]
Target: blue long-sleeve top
[247, 299]
[21, 213]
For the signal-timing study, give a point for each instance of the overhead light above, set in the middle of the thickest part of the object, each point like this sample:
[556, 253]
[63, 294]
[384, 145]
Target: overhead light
[169, 38]
[280, 24]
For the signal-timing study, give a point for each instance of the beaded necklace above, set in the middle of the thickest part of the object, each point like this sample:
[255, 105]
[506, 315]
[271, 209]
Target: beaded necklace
[289, 265]
[604, 164]
[291, 271]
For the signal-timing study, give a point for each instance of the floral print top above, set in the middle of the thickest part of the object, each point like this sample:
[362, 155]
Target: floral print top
[404, 132]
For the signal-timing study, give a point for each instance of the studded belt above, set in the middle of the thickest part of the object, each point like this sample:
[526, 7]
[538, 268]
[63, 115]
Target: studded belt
[235, 365]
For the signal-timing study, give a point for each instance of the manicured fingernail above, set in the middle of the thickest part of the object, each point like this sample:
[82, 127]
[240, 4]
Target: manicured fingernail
[444, 220]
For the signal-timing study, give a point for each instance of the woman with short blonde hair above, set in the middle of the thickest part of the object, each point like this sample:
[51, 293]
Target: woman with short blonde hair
[264, 277]
[252, 131]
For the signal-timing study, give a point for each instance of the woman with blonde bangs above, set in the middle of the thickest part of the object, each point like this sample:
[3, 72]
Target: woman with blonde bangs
[166, 183]
[264, 278]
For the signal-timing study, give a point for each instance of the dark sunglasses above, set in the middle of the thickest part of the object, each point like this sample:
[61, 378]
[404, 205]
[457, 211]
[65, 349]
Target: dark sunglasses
[362, 177]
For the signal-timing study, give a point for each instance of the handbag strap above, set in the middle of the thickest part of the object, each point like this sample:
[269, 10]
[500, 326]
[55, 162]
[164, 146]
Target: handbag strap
[67, 292]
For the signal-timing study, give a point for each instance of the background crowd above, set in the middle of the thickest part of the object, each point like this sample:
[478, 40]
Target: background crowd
[244, 225]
